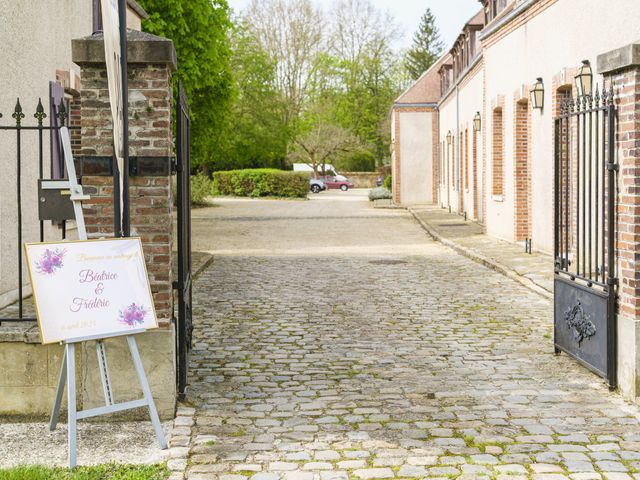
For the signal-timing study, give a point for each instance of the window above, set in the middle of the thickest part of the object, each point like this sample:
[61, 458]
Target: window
[497, 161]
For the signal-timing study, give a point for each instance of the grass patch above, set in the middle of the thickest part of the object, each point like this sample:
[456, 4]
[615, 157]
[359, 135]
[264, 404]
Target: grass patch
[110, 471]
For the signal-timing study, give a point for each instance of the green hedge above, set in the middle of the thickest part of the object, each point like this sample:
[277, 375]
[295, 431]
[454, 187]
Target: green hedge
[261, 182]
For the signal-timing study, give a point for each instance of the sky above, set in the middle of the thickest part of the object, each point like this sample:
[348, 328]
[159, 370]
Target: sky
[450, 15]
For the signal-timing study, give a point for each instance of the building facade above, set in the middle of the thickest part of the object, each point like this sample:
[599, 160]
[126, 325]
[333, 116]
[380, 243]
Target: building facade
[501, 175]
[494, 155]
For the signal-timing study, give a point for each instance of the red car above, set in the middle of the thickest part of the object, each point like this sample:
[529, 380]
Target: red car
[334, 183]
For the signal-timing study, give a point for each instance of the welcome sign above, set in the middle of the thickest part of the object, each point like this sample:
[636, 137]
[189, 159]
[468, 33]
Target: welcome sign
[90, 288]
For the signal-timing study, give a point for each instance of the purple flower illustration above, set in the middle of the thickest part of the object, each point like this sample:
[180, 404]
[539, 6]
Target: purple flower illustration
[132, 315]
[50, 261]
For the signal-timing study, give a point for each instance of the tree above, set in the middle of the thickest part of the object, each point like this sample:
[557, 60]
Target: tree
[200, 33]
[292, 34]
[362, 44]
[257, 134]
[427, 46]
[322, 141]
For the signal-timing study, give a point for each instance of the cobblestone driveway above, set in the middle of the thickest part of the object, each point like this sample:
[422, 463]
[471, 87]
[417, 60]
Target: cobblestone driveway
[399, 360]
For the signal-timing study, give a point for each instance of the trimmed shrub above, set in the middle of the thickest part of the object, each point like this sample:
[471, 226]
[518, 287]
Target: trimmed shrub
[201, 188]
[261, 182]
[379, 193]
[387, 182]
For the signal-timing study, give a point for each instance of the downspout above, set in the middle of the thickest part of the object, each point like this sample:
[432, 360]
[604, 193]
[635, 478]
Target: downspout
[457, 151]
[439, 158]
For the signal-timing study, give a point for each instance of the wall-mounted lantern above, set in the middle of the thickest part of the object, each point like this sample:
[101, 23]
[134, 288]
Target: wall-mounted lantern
[584, 79]
[477, 122]
[537, 94]
[449, 136]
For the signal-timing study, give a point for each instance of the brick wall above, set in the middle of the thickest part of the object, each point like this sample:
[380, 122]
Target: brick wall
[522, 172]
[466, 159]
[395, 175]
[151, 202]
[497, 153]
[74, 121]
[627, 87]
[461, 166]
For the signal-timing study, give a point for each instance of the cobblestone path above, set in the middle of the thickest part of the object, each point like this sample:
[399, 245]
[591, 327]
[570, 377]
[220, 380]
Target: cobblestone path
[371, 366]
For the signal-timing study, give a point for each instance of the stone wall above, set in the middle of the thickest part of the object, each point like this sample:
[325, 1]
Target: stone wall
[362, 179]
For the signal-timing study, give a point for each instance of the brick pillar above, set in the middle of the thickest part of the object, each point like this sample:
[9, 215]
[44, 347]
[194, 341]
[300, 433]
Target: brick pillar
[621, 69]
[151, 62]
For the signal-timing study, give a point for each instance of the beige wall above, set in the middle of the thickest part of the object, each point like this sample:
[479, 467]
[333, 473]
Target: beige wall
[416, 146]
[456, 115]
[558, 38]
[36, 41]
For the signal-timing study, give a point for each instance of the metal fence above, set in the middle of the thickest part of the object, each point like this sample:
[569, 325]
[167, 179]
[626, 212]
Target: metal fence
[20, 133]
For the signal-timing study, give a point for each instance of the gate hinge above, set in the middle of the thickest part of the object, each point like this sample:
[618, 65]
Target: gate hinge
[174, 166]
[613, 167]
[612, 282]
[176, 285]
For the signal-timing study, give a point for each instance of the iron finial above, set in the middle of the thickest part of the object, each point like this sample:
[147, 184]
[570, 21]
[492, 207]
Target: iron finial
[611, 93]
[62, 113]
[40, 115]
[17, 113]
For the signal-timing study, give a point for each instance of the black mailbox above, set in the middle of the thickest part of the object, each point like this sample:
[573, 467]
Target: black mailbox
[54, 200]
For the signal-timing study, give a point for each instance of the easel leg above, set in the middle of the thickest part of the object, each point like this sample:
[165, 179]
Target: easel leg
[71, 396]
[61, 381]
[142, 378]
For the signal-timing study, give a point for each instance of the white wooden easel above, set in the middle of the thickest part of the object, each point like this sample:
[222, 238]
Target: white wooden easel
[68, 369]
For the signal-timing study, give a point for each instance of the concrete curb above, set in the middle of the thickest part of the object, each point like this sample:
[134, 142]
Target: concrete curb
[482, 259]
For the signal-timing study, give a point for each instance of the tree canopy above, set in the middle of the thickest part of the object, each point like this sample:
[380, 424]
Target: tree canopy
[200, 30]
[257, 82]
[426, 48]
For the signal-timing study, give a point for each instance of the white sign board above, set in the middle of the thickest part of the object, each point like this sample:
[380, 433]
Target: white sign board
[91, 288]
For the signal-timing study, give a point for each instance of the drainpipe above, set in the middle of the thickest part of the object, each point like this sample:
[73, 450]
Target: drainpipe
[457, 151]
[439, 158]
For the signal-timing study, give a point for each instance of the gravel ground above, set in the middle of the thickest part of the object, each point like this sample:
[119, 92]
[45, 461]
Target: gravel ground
[34, 444]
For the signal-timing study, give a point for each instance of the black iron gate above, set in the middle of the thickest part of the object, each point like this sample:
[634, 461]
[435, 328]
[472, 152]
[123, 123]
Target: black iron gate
[182, 285]
[585, 202]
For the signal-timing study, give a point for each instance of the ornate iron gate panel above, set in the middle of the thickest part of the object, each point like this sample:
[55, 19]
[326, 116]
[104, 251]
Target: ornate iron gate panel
[183, 283]
[584, 221]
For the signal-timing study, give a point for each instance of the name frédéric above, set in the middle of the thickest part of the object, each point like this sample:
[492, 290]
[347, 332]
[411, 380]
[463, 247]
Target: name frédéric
[91, 276]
